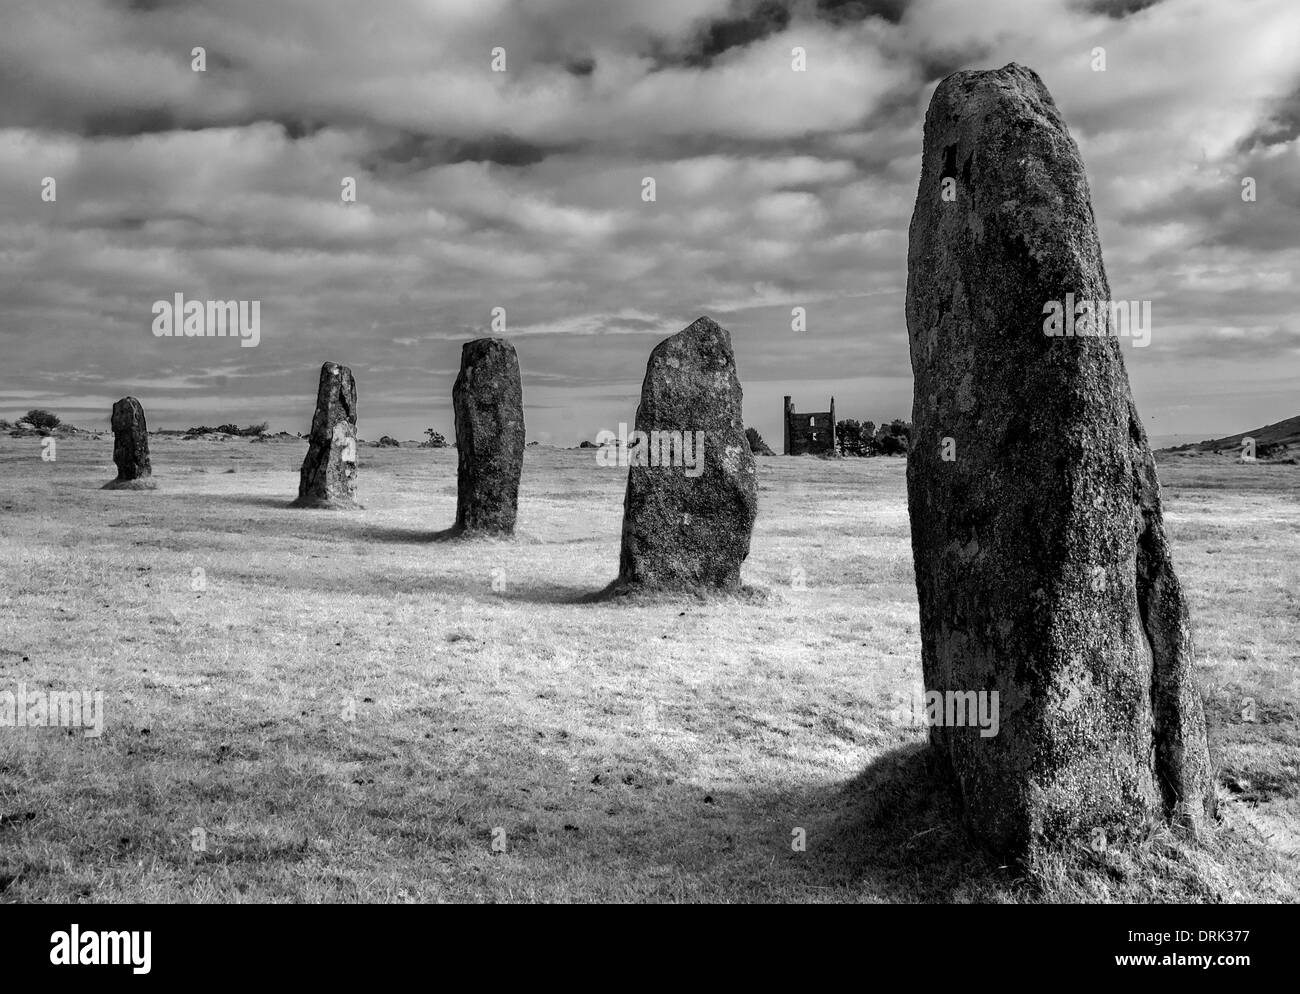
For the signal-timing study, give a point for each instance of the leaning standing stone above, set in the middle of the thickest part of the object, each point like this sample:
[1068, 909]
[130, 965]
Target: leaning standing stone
[329, 473]
[1042, 566]
[687, 517]
[489, 403]
[130, 448]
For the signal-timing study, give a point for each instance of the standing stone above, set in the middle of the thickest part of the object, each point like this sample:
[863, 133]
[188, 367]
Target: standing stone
[687, 520]
[130, 448]
[329, 473]
[488, 398]
[1042, 566]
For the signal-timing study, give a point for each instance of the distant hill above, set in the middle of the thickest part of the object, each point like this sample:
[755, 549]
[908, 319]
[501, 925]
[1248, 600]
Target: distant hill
[1278, 442]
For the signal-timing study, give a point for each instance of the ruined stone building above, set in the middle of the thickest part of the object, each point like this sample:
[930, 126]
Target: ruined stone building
[811, 434]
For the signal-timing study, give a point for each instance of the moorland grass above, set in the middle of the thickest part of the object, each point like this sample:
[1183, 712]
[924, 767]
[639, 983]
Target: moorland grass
[346, 710]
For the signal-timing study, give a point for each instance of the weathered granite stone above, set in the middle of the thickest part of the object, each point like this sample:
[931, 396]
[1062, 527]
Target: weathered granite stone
[130, 448]
[488, 399]
[329, 473]
[688, 514]
[1042, 566]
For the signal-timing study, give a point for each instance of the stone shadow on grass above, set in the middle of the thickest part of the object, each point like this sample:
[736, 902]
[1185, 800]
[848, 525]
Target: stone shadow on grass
[251, 500]
[896, 829]
[617, 595]
[547, 594]
[893, 833]
[420, 536]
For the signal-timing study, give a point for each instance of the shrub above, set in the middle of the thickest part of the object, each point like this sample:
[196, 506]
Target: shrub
[435, 440]
[892, 445]
[38, 419]
[892, 439]
[854, 438]
[229, 429]
[898, 428]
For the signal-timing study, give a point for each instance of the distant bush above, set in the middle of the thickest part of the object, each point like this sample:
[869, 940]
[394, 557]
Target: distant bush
[434, 440]
[854, 438]
[229, 429]
[38, 419]
[1269, 450]
[893, 439]
[5, 425]
[892, 445]
[865, 439]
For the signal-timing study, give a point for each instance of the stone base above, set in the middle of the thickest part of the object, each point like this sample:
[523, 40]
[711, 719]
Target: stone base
[327, 504]
[636, 593]
[459, 533]
[142, 483]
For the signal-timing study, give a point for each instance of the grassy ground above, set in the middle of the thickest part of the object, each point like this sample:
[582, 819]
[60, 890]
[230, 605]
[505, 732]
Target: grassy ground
[349, 711]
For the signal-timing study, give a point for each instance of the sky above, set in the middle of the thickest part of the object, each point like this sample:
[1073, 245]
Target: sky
[523, 190]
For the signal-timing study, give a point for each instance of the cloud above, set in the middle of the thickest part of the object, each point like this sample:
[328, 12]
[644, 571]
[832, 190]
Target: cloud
[523, 190]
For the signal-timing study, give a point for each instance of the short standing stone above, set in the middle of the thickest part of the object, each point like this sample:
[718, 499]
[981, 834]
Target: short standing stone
[1042, 569]
[692, 492]
[329, 473]
[130, 447]
[488, 400]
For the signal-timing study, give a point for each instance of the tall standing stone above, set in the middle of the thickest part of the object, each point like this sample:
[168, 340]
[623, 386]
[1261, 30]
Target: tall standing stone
[1042, 565]
[329, 473]
[488, 399]
[130, 448]
[687, 527]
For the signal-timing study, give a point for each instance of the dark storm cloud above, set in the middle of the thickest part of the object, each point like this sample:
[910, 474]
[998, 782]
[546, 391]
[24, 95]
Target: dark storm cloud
[126, 122]
[415, 152]
[149, 6]
[938, 64]
[129, 122]
[1282, 125]
[294, 127]
[1118, 8]
[580, 66]
[839, 11]
[753, 21]
[131, 222]
[766, 18]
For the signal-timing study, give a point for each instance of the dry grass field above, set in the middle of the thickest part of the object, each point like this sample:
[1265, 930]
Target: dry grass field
[350, 712]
